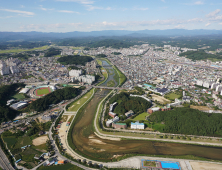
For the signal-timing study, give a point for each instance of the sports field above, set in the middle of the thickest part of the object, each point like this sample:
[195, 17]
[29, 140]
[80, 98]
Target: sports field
[173, 96]
[141, 116]
[42, 91]
[77, 104]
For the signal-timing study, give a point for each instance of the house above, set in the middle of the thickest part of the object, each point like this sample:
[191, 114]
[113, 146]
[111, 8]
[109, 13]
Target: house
[119, 125]
[41, 133]
[137, 125]
[129, 113]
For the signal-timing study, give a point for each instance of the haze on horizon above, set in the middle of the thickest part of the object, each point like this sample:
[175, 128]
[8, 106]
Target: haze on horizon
[96, 15]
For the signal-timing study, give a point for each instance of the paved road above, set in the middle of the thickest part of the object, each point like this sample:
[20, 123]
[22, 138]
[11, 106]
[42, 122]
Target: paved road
[4, 162]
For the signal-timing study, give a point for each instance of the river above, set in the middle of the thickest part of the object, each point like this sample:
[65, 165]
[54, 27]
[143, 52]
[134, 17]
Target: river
[105, 150]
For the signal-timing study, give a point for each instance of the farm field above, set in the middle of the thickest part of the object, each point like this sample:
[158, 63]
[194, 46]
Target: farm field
[11, 140]
[21, 50]
[23, 141]
[67, 166]
[77, 104]
[172, 96]
[141, 116]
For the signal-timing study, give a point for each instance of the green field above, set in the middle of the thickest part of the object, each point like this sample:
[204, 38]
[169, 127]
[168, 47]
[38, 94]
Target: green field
[21, 50]
[141, 116]
[99, 62]
[172, 96]
[67, 166]
[77, 104]
[19, 96]
[111, 83]
[11, 140]
[43, 91]
[41, 147]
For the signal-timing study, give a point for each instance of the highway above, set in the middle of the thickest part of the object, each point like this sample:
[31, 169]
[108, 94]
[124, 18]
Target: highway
[4, 162]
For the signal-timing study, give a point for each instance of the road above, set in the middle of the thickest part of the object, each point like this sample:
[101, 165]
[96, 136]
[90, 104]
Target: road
[4, 162]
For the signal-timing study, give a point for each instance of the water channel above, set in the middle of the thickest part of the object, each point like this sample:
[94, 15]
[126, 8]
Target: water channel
[94, 147]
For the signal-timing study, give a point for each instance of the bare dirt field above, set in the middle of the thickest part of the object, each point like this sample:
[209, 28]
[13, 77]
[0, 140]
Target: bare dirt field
[40, 140]
[205, 166]
[160, 99]
[200, 107]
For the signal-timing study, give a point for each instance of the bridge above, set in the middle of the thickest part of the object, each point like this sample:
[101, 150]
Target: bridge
[111, 88]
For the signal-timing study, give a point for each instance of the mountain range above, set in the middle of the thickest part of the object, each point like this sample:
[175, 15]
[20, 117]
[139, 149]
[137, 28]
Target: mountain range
[13, 36]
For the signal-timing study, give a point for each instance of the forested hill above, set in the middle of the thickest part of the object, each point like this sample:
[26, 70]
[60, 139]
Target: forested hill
[6, 91]
[201, 55]
[55, 97]
[189, 121]
[75, 59]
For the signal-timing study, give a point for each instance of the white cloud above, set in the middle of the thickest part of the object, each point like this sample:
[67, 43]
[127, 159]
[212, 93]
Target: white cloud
[163, 0]
[91, 8]
[49, 27]
[85, 2]
[69, 12]
[207, 24]
[199, 3]
[45, 9]
[213, 14]
[195, 20]
[25, 13]
[22, 6]
[179, 26]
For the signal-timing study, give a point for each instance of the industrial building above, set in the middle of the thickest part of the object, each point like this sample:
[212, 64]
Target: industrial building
[19, 105]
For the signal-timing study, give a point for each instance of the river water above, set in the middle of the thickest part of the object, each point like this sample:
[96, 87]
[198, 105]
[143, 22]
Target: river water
[104, 150]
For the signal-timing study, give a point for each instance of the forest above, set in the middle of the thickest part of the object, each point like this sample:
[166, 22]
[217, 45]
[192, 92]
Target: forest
[55, 97]
[126, 103]
[52, 52]
[22, 44]
[201, 55]
[6, 91]
[74, 59]
[97, 42]
[189, 121]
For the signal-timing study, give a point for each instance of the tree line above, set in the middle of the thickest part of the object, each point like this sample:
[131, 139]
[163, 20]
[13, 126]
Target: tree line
[189, 121]
[200, 55]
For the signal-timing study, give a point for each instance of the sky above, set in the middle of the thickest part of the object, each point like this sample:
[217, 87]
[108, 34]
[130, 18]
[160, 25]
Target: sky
[97, 15]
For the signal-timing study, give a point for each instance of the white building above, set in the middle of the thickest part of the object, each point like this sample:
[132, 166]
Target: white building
[137, 125]
[75, 73]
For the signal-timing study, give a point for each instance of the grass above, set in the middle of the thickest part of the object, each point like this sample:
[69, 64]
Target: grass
[19, 96]
[173, 96]
[23, 141]
[99, 62]
[149, 163]
[67, 166]
[77, 104]
[141, 116]
[111, 83]
[21, 50]
[10, 141]
[43, 91]
[41, 147]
